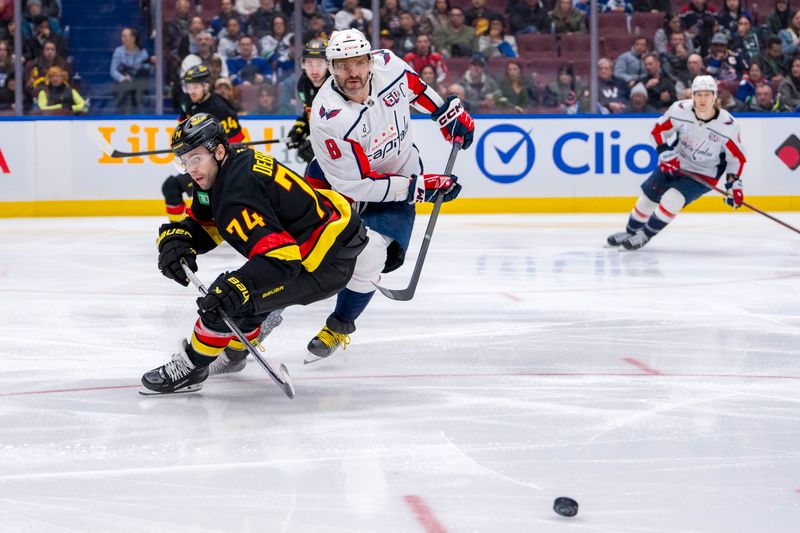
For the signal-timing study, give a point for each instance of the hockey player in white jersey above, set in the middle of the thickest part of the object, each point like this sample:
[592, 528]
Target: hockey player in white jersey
[693, 135]
[362, 138]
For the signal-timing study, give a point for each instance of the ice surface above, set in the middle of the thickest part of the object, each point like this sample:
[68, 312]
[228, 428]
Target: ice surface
[659, 388]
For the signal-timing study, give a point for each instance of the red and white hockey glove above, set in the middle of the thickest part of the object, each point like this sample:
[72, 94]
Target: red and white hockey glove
[668, 162]
[454, 121]
[425, 187]
[737, 193]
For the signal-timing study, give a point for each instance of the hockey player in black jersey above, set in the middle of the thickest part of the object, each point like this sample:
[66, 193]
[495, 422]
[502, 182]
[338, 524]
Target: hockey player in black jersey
[199, 97]
[300, 243]
[315, 72]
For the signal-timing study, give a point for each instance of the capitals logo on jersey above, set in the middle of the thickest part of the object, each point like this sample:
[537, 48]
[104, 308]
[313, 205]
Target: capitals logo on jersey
[328, 114]
[384, 54]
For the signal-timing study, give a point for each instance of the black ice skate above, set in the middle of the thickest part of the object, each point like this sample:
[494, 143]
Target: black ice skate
[616, 239]
[636, 241]
[178, 375]
[335, 333]
[231, 360]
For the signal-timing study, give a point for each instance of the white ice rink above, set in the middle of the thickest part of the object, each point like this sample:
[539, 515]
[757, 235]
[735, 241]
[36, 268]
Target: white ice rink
[659, 388]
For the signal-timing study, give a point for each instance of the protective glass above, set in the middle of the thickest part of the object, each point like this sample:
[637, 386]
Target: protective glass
[185, 164]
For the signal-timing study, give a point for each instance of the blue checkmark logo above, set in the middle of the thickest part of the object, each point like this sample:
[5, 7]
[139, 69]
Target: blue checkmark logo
[505, 153]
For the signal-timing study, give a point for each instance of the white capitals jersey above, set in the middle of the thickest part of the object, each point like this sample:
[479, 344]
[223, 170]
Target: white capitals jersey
[711, 148]
[366, 151]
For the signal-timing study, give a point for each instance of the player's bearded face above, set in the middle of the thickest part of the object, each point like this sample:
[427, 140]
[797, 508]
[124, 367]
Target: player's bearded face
[352, 74]
[201, 165]
[196, 91]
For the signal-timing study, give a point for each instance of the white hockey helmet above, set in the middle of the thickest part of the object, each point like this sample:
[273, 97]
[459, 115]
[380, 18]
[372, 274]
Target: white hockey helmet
[704, 83]
[347, 43]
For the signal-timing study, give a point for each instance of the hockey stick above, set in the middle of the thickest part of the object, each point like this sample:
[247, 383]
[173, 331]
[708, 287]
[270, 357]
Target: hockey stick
[281, 377]
[408, 293]
[106, 147]
[701, 181]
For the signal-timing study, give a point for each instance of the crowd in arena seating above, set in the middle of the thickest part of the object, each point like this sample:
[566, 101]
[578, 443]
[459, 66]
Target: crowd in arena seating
[502, 56]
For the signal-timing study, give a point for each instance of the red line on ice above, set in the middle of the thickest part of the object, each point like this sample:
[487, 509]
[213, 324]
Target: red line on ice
[424, 514]
[643, 367]
[511, 296]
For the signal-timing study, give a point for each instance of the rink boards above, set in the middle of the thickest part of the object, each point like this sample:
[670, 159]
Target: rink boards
[518, 164]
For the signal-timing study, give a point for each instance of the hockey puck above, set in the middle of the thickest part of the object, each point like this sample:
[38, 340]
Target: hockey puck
[565, 506]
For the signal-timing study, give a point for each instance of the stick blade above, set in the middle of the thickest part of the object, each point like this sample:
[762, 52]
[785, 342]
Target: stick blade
[401, 295]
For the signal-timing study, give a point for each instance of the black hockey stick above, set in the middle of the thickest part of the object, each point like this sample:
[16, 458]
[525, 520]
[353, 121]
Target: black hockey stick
[408, 293]
[281, 376]
[106, 147]
[701, 181]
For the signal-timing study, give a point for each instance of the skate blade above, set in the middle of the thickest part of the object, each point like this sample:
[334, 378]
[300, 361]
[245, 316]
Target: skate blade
[190, 388]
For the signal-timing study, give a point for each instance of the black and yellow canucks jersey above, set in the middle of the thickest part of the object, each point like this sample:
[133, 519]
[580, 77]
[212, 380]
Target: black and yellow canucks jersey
[270, 215]
[219, 108]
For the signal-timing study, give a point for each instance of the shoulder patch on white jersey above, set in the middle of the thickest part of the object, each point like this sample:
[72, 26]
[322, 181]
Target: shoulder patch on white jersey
[328, 114]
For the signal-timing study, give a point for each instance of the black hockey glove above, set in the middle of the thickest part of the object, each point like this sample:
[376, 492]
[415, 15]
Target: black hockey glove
[305, 151]
[298, 133]
[230, 292]
[175, 243]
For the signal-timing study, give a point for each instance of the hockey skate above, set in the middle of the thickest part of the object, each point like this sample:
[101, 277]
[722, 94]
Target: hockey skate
[616, 239]
[231, 360]
[325, 343]
[636, 241]
[178, 375]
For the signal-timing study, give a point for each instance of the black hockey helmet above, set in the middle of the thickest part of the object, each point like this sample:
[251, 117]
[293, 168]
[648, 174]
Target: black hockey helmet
[198, 130]
[314, 48]
[197, 74]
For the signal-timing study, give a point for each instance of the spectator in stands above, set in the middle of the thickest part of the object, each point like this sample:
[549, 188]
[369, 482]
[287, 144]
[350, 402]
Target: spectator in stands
[227, 12]
[564, 18]
[247, 68]
[51, 8]
[639, 102]
[765, 101]
[456, 39]
[281, 57]
[790, 37]
[57, 95]
[480, 88]
[612, 91]
[651, 6]
[311, 14]
[352, 16]
[260, 22]
[614, 6]
[673, 61]
[747, 87]
[405, 37]
[7, 96]
[660, 89]
[457, 90]
[419, 8]
[437, 18]
[516, 91]
[274, 47]
[672, 25]
[778, 18]
[722, 63]
[496, 43]
[31, 20]
[423, 56]
[771, 60]
[245, 8]
[224, 88]
[789, 88]
[205, 52]
[528, 16]
[267, 100]
[215, 66]
[6, 64]
[179, 26]
[629, 66]
[745, 41]
[36, 70]
[316, 29]
[564, 92]
[228, 46]
[479, 17]
[130, 68]
[726, 99]
[699, 18]
[428, 75]
[390, 16]
[729, 16]
[188, 42]
[32, 47]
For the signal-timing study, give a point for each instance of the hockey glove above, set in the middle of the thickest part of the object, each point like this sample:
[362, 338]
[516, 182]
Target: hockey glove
[175, 243]
[737, 193]
[425, 187]
[305, 151]
[298, 133]
[454, 121]
[230, 292]
[668, 162]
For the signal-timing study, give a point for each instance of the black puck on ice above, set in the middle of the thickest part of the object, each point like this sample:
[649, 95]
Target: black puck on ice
[565, 506]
